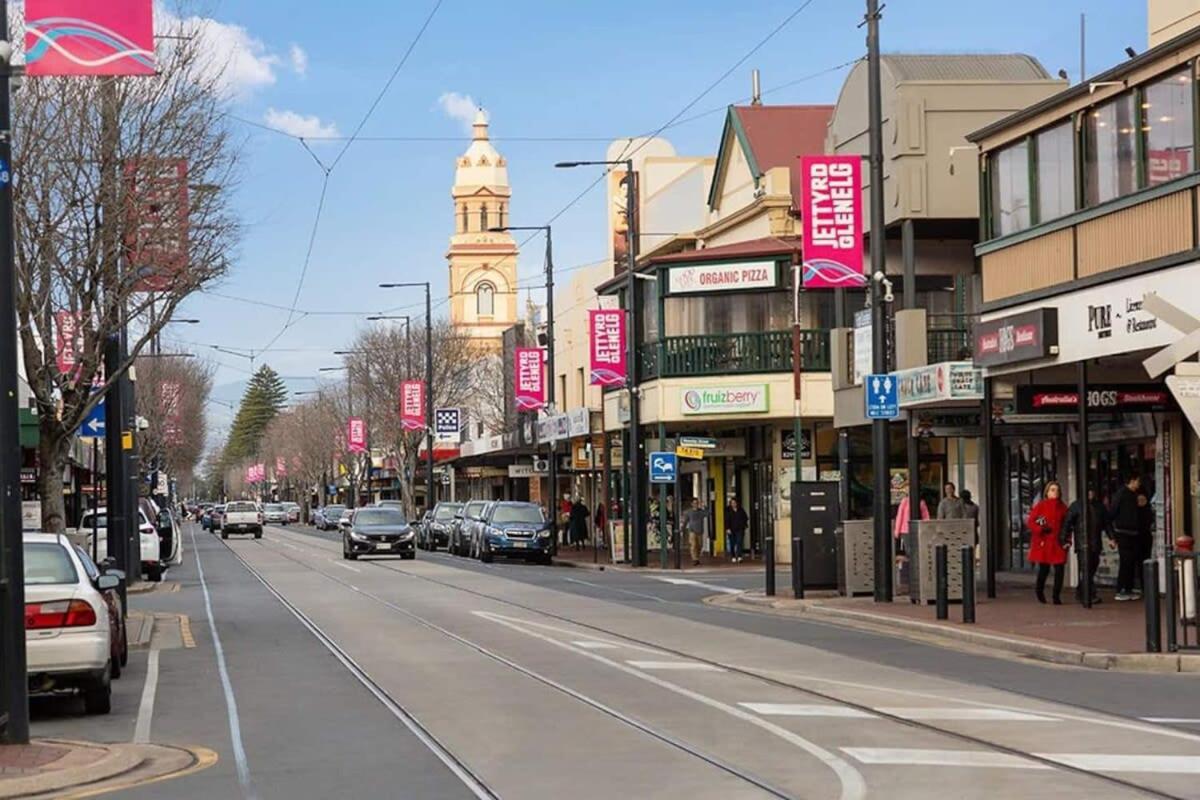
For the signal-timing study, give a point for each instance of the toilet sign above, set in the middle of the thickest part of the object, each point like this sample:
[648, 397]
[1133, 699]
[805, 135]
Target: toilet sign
[883, 397]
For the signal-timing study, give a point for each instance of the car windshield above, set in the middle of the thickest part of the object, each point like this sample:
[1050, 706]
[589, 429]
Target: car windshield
[379, 516]
[334, 511]
[473, 509]
[273, 508]
[446, 511]
[234, 508]
[48, 563]
[506, 514]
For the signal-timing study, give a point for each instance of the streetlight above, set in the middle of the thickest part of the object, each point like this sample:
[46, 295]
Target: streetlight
[549, 266]
[430, 491]
[367, 403]
[350, 412]
[633, 458]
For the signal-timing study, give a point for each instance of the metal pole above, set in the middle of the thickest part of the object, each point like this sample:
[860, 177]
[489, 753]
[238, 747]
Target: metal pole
[797, 436]
[1153, 612]
[550, 381]
[13, 697]
[634, 457]
[989, 535]
[678, 531]
[430, 490]
[967, 559]
[880, 441]
[367, 421]
[662, 504]
[352, 500]
[95, 499]
[1084, 542]
[941, 568]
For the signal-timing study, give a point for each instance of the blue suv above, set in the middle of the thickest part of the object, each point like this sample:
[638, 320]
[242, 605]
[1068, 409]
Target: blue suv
[514, 529]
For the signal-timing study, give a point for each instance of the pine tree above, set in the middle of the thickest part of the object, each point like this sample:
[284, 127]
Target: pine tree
[265, 396]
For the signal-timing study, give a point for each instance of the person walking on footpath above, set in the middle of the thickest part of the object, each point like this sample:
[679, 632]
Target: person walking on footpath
[1046, 540]
[1097, 525]
[578, 522]
[736, 522]
[694, 523]
[951, 506]
[1125, 519]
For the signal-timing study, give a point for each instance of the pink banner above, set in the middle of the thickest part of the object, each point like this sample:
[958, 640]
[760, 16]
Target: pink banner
[170, 396]
[66, 342]
[832, 216]
[606, 329]
[89, 37]
[529, 378]
[412, 405]
[280, 467]
[356, 435]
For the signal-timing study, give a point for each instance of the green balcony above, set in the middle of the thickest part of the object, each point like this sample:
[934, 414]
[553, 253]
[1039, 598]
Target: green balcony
[732, 354]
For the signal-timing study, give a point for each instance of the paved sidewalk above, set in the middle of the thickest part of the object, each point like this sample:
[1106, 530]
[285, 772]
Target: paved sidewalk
[587, 559]
[62, 768]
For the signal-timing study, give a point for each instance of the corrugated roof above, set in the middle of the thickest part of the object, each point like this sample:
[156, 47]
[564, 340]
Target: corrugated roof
[778, 134]
[965, 67]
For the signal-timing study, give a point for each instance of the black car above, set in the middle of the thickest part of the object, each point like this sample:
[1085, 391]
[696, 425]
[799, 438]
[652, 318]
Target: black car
[518, 530]
[465, 522]
[435, 531]
[377, 531]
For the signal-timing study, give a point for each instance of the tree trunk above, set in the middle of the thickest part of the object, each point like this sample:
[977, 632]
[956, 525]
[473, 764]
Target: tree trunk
[52, 461]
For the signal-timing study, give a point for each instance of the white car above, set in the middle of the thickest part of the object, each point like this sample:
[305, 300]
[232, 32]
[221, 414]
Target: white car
[148, 541]
[275, 514]
[67, 628]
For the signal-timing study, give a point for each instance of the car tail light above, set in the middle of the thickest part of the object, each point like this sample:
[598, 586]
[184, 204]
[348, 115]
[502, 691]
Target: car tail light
[260, 519]
[59, 614]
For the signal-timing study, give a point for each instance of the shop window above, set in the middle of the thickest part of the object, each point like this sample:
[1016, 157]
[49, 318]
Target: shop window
[1110, 151]
[1056, 172]
[1167, 126]
[485, 300]
[1010, 189]
[728, 313]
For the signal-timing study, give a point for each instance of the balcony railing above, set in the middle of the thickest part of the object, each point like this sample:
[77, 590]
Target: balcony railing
[732, 353]
[948, 344]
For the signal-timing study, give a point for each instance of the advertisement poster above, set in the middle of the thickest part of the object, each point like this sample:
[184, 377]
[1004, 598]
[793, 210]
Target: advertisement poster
[832, 216]
[606, 331]
[530, 382]
[66, 342]
[412, 405]
[356, 435]
[88, 37]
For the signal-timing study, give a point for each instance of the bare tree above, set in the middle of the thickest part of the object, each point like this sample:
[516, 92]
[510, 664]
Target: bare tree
[122, 209]
[305, 437]
[171, 396]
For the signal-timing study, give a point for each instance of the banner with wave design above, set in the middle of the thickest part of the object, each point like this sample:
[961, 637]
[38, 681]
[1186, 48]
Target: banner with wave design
[89, 37]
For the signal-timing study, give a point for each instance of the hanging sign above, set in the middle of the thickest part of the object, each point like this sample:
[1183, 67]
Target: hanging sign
[606, 329]
[281, 468]
[66, 340]
[356, 435]
[832, 217]
[89, 37]
[530, 394]
[412, 405]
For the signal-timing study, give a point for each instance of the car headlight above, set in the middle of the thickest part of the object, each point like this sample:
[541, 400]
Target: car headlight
[358, 536]
[408, 534]
[543, 534]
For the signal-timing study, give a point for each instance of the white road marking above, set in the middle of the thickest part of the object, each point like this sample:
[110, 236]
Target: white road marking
[854, 786]
[337, 563]
[677, 666]
[590, 645]
[712, 587]
[966, 714]
[914, 757]
[141, 730]
[235, 724]
[806, 710]
[616, 589]
[1173, 720]
[1105, 762]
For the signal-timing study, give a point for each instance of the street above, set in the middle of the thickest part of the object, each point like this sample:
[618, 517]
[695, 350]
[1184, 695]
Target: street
[443, 678]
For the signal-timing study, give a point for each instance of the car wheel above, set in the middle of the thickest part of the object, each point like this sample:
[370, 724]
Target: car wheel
[485, 554]
[124, 657]
[98, 699]
[224, 534]
[352, 556]
[115, 665]
[408, 556]
[154, 573]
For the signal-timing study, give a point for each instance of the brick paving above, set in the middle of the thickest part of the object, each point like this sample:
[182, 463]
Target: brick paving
[25, 759]
[707, 562]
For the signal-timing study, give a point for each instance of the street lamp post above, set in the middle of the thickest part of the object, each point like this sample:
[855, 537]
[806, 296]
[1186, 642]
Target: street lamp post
[352, 501]
[633, 459]
[366, 406]
[324, 478]
[550, 381]
[430, 491]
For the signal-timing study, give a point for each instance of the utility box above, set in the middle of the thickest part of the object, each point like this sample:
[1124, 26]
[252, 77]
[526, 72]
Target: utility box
[954, 533]
[856, 557]
[815, 515]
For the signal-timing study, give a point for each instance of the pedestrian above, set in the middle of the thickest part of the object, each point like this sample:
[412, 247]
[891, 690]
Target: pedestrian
[598, 520]
[578, 523]
[1046, 540]
[1125, 519]
[950, 506]
[1145, 537]
[564, 517]
[900, 526]
[736, 522]
[1097, 524]
[694, 522]
[970, 508]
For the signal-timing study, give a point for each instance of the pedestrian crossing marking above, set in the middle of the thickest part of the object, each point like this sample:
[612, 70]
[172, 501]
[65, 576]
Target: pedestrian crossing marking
[912, 713]
[693, 666]
[806, 710]
[975, 759]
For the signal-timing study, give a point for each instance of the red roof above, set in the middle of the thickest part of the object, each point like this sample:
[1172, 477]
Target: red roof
[778, 134]
[779, 246]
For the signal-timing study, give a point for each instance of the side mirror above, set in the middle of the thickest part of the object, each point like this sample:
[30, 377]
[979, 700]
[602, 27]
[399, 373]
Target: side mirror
[108, 581]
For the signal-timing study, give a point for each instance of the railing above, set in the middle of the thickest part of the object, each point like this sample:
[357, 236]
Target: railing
[948, 337]
[732, 353]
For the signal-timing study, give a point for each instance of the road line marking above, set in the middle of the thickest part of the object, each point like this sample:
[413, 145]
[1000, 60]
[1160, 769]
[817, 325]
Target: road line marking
[588, 645]
[185, 631]
[689, 582]
[966, 714]
[1106, 762]
[642, 595]
[557, 629]
[337, 563]
[806, 710]
[235, 725]
[141, 730]
[676, 666]
[910, 756]
[1173, 720]
[853, 785]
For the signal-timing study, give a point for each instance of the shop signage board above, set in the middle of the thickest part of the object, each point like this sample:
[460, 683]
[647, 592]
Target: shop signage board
[1101, 398]
[832, 217]
[950, 423]
[690, 452]
[881, 397]
[579, 422]
[788, 444]
[528, 373]
[1186, 389]
[551, 429]
[726, 277]
[606, 337]
[950, 380]
[1012, 339]
[89, 37]
[412, 405]
[521, 471]
[747, 399]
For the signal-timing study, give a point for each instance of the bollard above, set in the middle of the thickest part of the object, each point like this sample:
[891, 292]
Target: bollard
[941, 575]
[797, 567]
[968, 584]
[769, 560]
[1150, 597]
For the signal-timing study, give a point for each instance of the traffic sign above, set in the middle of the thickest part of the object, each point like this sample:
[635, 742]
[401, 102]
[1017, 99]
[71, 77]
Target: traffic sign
[447, 422]
[883, 401]
[689, 452]
[93, 424]
[663, 467]
[703, 442]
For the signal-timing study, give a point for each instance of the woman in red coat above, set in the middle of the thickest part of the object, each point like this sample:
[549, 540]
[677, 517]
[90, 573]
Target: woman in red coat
[1045, 540]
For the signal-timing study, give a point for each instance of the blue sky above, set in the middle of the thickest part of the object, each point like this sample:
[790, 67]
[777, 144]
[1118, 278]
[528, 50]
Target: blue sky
[542, 68]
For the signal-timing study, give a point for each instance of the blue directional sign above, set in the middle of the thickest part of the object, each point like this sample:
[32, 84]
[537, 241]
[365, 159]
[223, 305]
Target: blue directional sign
[93, 426]
[663, 467]
[883, 401]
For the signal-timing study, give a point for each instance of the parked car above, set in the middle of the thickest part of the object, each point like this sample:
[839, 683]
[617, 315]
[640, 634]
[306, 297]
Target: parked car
[218, 517]
[515, 529]
[460, 534]
[293, 512]
[327, 517]
[275, 514]
[116, 613]
[149, 543]
[68, 633]
[436, 525]
[377, 531]
[242, 516]
[169, 531]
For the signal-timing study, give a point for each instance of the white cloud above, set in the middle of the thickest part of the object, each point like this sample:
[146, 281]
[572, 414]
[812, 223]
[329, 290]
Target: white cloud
[306, 127]
[241, 62]
[461, 107]
[299, 59]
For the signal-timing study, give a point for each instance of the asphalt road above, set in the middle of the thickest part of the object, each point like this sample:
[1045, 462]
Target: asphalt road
[442, 677]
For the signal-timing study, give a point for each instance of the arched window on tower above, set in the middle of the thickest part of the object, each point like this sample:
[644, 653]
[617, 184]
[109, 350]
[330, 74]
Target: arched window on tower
[483, 215]
[462, 210]
[485, 300]
[503, 215]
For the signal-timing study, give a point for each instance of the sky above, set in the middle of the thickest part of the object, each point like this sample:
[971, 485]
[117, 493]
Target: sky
[584, 72]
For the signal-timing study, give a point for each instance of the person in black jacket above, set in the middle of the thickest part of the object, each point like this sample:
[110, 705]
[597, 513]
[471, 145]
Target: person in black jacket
[1126, 520]
[736, 522]
[1097, 525]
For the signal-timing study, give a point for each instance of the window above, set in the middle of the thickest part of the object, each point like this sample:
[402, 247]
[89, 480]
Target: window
[1010, 189]
[1110, 151]
[463, 212]
[1056, 172]
[1167, 125]
[503, 215]
[48, 563]
[688, 315]
[485, 300]
[483, 215]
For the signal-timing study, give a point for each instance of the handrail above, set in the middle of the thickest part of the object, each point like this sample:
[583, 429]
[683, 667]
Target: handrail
[732, 353]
